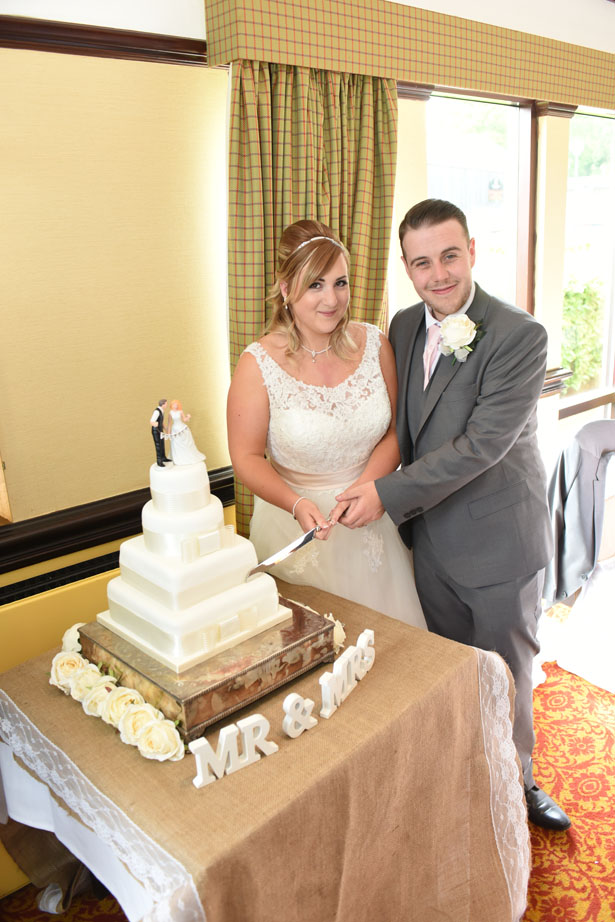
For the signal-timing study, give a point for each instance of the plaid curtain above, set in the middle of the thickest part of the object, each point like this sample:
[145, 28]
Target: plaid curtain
[306, 143]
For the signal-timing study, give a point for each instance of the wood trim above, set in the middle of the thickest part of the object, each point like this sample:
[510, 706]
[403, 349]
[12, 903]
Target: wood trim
[582, 405]
[98, 41]
[5, 506]
[48, 536]
[413, 91]
[554, 108]
[526, 208]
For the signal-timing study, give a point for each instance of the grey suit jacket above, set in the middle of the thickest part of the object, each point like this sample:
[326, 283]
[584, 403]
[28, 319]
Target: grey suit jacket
[577, 494]
[473, 468]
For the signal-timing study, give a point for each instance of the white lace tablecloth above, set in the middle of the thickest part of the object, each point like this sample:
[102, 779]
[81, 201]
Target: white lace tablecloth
[149, 884]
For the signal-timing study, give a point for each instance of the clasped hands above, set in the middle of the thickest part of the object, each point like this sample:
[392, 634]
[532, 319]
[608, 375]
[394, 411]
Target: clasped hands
[358, 505]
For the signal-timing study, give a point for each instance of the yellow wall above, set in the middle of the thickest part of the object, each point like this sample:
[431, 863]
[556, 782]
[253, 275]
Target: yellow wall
[113, 188]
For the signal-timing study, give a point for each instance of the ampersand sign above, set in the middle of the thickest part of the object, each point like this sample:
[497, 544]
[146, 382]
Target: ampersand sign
[298, 712]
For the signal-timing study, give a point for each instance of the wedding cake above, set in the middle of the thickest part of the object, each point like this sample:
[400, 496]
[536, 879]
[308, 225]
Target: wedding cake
[183, 594]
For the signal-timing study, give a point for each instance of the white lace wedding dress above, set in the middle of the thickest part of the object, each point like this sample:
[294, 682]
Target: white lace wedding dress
[319, 440]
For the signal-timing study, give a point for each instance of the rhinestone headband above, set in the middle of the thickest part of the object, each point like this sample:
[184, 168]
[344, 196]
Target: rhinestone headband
[320, 237]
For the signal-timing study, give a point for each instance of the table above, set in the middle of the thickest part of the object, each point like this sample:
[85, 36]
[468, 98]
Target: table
[406, 804]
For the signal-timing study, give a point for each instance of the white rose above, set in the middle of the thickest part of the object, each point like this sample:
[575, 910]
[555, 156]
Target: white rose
[160, 740]
[63, 666]
[134, 719]
[116, 703]
[93, 702]
[70, 639]
[339, 634]
[456, 333]
[83, 681]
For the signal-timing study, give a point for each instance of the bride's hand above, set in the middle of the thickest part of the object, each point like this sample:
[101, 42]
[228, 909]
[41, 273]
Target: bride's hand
[309, 515]
[338, 511]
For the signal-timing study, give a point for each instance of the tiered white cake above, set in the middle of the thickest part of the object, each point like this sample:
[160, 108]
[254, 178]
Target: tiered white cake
[182, 594]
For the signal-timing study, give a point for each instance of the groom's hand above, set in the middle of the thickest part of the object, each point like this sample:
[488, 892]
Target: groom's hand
[365, 505]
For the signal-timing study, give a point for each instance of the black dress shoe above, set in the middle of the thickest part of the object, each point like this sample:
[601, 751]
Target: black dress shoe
[543, 811]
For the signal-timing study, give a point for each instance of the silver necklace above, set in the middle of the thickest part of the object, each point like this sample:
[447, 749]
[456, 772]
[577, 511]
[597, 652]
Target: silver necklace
[314, 353]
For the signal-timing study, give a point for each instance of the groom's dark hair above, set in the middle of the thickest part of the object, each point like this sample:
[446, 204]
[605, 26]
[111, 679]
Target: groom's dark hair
[428, 212]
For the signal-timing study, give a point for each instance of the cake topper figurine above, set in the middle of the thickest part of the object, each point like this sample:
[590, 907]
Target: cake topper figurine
[157, 424]
[183, 449]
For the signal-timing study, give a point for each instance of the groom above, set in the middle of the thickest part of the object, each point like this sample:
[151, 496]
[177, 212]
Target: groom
[470, 496]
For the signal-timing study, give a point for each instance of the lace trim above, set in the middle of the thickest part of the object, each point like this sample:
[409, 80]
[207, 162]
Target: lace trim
[508, 812]
[170, 886]
[286, 392]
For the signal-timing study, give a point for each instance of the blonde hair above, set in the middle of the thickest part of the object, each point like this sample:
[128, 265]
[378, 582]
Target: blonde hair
[176, 405]
[307, 250]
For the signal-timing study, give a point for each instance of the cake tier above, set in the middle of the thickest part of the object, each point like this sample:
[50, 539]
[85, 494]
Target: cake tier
[183, 639]
[179, 488]
[177, 584]
[165, 532]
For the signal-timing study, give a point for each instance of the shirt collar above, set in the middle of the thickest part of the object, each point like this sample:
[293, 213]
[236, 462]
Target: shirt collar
[430, 319]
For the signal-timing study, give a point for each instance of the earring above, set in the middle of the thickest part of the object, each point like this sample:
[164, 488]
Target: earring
[285, 303]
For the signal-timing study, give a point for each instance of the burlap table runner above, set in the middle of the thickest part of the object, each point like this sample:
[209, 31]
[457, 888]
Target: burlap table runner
[385, 811]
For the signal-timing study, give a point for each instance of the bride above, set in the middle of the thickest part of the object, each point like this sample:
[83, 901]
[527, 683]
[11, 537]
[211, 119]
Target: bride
[311, 411]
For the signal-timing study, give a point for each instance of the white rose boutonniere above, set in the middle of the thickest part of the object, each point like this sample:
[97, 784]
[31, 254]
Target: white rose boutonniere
[134, 719]
[458, 332]
[160, 740]
[94, 701]
[70, 640]
[117, 702]
[64, 665]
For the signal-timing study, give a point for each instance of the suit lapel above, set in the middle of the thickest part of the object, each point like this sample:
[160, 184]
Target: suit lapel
[446, 369]
[403, 376]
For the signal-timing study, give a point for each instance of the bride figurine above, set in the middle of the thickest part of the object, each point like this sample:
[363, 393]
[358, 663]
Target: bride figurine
[183, 449]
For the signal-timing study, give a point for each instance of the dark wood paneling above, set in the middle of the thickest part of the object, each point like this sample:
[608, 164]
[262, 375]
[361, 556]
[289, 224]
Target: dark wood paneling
[97, 41]
[48, 536]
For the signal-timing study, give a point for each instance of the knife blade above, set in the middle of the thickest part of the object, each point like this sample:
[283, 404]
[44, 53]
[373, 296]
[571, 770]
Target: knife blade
[285, 552]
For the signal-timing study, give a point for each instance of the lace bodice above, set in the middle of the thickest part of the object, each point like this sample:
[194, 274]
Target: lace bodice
[315, 429]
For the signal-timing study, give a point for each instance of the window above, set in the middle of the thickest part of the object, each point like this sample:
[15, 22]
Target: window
[588, 328]
[473, 161]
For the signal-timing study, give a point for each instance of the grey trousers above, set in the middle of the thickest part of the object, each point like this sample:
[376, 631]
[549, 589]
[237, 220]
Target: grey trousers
[502, 617]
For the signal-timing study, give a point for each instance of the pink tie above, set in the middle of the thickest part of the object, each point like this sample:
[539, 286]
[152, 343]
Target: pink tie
[431, 352]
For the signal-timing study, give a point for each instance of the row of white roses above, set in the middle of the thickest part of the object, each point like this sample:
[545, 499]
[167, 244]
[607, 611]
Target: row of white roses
[139, 724]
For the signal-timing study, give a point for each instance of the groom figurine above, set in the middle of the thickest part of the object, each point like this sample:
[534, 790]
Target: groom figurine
[470, 495]
[157, 424]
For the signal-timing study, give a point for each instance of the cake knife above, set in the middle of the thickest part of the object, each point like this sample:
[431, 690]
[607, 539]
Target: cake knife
[285, 552]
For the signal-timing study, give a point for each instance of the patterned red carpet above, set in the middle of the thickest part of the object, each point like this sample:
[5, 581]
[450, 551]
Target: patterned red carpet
[573, 876]
[573, 873]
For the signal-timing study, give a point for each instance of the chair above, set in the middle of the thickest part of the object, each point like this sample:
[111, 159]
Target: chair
[582, 571]
[577, 497]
